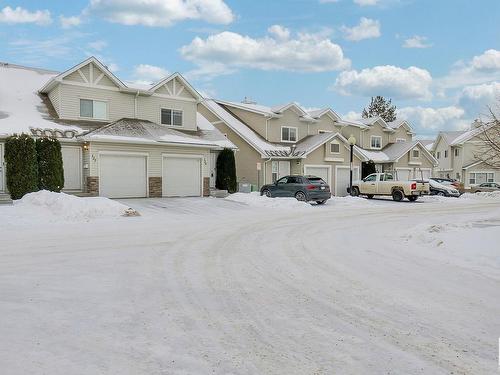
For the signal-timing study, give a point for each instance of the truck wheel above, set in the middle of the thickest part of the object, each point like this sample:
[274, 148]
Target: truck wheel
[266, 192]
[300, 196]
[412, 198]
[321, 202]
[355, 191]
[397, 195]
[370, 196]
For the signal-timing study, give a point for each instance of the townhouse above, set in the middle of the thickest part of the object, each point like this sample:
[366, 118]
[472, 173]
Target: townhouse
[275, 141]
[118, 139]
[456, 153]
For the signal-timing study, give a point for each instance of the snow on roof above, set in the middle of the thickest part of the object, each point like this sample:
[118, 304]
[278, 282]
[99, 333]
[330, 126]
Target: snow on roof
[210, 132]
[135, 130]
[21, 108]
[253, 107]
[469, 134]
[244, 131]
[450, 137]
[394, 151]
[398, 123]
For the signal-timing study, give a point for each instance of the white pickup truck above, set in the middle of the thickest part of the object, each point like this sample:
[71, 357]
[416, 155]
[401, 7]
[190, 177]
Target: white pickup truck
[384, 184]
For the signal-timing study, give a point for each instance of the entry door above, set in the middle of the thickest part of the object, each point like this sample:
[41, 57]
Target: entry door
[2, 188]
[283, 168]
[213, 168]
[72, 164]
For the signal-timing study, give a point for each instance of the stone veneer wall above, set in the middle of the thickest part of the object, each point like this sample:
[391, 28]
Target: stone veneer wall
[206, 186]
[155, 187]
[93, 185]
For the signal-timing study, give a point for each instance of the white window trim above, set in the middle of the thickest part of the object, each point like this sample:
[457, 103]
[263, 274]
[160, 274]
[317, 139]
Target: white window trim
[418, 155]
[93, 100]
[371, 142]
[334, 143]
[400, 140]
[322, 131]
[172, 109]
[296, 134]
[477, 172]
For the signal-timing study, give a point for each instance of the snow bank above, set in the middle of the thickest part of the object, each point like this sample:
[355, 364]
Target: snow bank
[493, 195]
[64, 207]
[254, 199]
[349, 201]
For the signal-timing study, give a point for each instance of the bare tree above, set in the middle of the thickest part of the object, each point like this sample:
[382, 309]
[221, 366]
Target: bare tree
[488, 150]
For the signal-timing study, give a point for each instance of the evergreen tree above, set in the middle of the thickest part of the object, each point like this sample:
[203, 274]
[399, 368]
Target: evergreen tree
[50, 164]
[379, 106]
[21, 163]
[226, 171]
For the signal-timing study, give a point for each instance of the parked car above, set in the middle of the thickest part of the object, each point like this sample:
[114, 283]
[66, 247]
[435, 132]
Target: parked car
[443, 190]
[486, 186]
[384, 184]
[449, 182]
[303, 188]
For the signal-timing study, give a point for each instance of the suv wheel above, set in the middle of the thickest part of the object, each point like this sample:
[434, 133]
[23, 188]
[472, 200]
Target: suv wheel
[397, 195]
[300, 196]
[267, 193]
[441, 193]
[321, 202]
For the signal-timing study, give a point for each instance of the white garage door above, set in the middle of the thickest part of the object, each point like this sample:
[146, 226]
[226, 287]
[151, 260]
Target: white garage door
[342, 180]
[72, 164]
[181, 176]
[423, 173]
[318, 171]
[122, 176]
[403, 174]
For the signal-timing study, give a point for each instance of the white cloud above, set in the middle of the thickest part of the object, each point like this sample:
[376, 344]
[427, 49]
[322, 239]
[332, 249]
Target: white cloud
[365, 3]
[489, 60]
[416, 42]
[366, 29]
[71, 21]
[426, 118]
[161, 13]
[149, 73]
[303, 52]
[21, 15]
[351, 116]
[387, 80]
[97, 45]
[477, 98]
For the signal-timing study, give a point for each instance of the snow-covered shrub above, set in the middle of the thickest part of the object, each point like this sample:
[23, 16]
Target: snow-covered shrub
[50, 164]
[21, 163]
[226, 171]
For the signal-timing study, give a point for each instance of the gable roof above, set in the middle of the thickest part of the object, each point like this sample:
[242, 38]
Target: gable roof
[395, 151]
[312, 142]
[468, 135]
[318, 113]
[178, 76]
[396, 124]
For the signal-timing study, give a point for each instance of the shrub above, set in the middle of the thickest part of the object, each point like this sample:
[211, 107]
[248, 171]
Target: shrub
[368, 168]
[50, 164]
[226, 171]
[21, 163]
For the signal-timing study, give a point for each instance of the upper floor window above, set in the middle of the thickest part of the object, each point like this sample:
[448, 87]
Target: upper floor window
[376, 141]
[95, 109]
[334, 148]
[456, 152]
[171, 117]
[415, 153]
[445, 153]
[288, 134]
[439, 155]
[400, 140]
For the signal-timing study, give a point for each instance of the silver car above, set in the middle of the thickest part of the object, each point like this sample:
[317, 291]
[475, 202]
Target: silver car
[486, 186]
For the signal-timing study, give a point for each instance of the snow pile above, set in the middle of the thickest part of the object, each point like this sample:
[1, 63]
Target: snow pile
[493, 195]
[66, 207]
[254, 199]
[349, 201]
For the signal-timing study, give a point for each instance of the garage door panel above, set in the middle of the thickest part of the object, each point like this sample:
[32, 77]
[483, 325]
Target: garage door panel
[323, 172]
[181, 176]
[403, 174]
[342, 177]
[123, 176]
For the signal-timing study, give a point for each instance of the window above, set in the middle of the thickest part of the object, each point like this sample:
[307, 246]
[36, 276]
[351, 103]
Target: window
[293, 180]
[93, 109]
[386, 177]
[400, 140]
[438, 155]
[324, 131]
[334, 148]
[283, 180]
[371, 177]
[415, 153]
[376, 141]
[456, 152]
[445, 153]
[288, 134]
[476, 178]
[171, 117]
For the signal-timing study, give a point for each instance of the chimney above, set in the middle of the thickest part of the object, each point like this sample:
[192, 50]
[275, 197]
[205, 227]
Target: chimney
[248, 100]
[476, 124]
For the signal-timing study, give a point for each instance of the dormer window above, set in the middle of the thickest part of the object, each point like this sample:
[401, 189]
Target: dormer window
[93, 109]
[171, 117]
[334, 147]
[376, 142]
[416, 153]
[288, 134]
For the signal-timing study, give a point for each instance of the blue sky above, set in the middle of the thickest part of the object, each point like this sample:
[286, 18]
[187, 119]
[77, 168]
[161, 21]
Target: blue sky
[438, 60]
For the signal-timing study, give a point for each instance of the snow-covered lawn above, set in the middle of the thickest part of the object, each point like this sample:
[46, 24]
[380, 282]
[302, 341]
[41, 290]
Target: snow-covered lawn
[250, 285]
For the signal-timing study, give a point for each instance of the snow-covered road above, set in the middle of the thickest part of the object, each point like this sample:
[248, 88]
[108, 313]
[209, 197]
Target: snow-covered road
[201, 286]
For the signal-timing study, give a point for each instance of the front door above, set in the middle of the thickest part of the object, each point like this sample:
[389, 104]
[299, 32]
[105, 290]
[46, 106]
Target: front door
[283, 168]
[2, 168]
[213, 168]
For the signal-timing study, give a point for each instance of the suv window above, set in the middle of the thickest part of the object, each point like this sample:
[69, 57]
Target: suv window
[293, 180]
[316, 181]
[282, 180]
[371, 177]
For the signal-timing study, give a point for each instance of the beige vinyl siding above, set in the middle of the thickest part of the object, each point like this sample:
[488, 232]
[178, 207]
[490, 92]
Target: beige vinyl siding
[289, 118]
[349, 130]
[324, 123]
[120, 105]
[54, 96]
[75, 77]
[374, 130]
[104, 81]
[401, 132]
[154, 155]
[255, 121]
[441, 147]
[408, 161]
[149, 108]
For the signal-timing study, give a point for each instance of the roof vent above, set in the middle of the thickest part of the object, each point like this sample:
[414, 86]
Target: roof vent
[248, 100]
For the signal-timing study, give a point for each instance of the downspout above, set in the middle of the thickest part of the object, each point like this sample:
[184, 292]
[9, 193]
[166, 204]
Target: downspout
[265, 170]
[135, 104]
[267, 123]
